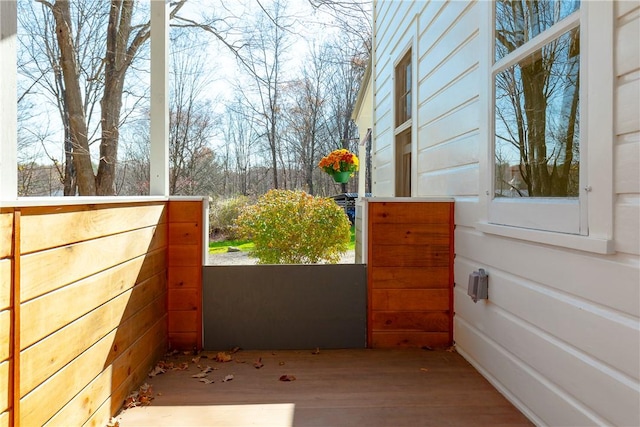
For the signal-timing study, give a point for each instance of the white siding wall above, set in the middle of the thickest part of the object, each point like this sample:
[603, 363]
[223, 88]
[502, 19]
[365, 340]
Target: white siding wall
[560, 333]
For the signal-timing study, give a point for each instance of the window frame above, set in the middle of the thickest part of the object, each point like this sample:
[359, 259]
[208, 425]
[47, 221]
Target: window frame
[403, 133]
[590, 227]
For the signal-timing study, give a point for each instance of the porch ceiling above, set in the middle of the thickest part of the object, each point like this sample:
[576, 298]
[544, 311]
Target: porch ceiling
[405, 387]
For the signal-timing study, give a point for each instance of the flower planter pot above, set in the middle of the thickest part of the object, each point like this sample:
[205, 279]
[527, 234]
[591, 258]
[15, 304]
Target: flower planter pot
[341, 177]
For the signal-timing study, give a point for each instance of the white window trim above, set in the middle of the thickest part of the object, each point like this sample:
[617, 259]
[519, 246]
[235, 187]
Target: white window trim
[597, 135]
[411, 45]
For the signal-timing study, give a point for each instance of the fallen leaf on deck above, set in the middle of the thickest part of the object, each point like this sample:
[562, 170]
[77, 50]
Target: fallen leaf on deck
[156, 371]
[281, 363]
[424, 369]
[143, 396]
[234, 350]
[426, 347]
[316, 351]
[200, 375]
[227, 378]
[451, 349]
[258, 363]
[196, 359]
[207, 370]
[223, 357]
[182, 367]
[206, 380]
[287, 378]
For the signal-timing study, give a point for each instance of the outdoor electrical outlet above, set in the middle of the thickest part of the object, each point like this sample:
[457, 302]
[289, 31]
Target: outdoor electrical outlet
[478, 285]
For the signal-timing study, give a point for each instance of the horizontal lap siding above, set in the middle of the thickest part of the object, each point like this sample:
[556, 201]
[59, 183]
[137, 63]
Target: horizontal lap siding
[93, 312]
[409, 274]
[185, 253]
[559, 334]
[6, 337]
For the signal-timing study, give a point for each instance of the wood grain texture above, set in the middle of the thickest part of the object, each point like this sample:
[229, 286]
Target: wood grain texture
[49, 355]
[5, 283]
[411, 321]
[410, 299]
[185, 277]
[412, 234]
[5, 336]
[410, 277]
[410, 339]
[64, 225]
[4, 419]
[185, 211]
[45, 400]
[4, 385]
[184, 340]
[6, 233]
[47, 271]
[185, 233]
[54, 310]
[409, 213]
[184, 259]
[399, 255]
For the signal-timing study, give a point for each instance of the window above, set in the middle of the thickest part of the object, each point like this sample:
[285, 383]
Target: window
[536, 115]
[403, 89]
[403, 106]
[550, 84]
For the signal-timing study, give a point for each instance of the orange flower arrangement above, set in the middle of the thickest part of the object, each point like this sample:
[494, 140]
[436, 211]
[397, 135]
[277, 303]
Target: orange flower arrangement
[341, 160]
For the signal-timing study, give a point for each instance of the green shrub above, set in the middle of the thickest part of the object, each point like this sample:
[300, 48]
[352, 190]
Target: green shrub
[223, 214]
[292, 227]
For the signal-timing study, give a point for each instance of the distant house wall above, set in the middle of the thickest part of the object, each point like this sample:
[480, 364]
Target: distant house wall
[559, 334]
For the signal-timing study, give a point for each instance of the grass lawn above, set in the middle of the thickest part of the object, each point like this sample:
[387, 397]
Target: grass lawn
[247, 245]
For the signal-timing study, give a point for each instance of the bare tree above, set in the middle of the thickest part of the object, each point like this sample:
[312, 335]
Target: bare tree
[536, 108]
[110, 45]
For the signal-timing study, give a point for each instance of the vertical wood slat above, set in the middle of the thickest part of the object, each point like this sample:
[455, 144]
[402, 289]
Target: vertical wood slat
[184, 259]
[410, 279]
[15, 323]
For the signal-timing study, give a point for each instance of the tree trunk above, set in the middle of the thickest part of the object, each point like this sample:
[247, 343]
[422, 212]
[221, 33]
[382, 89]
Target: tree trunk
[73, 99]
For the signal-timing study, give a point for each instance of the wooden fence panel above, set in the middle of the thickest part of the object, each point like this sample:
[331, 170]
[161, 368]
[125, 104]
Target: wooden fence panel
[91, 315]
[6, 313]
[410, 274]
[185, 252]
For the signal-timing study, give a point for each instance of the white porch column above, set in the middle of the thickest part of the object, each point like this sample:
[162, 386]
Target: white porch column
[8, 101]
[159, 150]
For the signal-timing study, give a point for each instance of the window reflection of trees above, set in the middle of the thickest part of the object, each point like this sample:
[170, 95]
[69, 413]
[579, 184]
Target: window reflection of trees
[536, 103]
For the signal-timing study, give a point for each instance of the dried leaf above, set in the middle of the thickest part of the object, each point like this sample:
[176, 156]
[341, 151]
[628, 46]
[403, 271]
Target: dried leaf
[207, 370]
[182, 367]
[223, 357]
[227, 378]
[451, 349]
[143, 396]
[424, 369]
[156, 371]
[426, 347]
[234, 350]
[206, 380]
[258, 363]
[287, 378]
[196, 359]
[316, 351]
[200, 375]
[280, 363]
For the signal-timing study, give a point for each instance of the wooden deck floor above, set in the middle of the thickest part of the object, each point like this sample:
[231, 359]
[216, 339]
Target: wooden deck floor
[332, 388]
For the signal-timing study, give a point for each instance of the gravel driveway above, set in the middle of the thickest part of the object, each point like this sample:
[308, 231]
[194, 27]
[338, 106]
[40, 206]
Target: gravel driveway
[243, 258]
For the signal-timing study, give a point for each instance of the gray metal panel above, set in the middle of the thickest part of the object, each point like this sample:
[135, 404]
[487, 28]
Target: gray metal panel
[285, 306]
